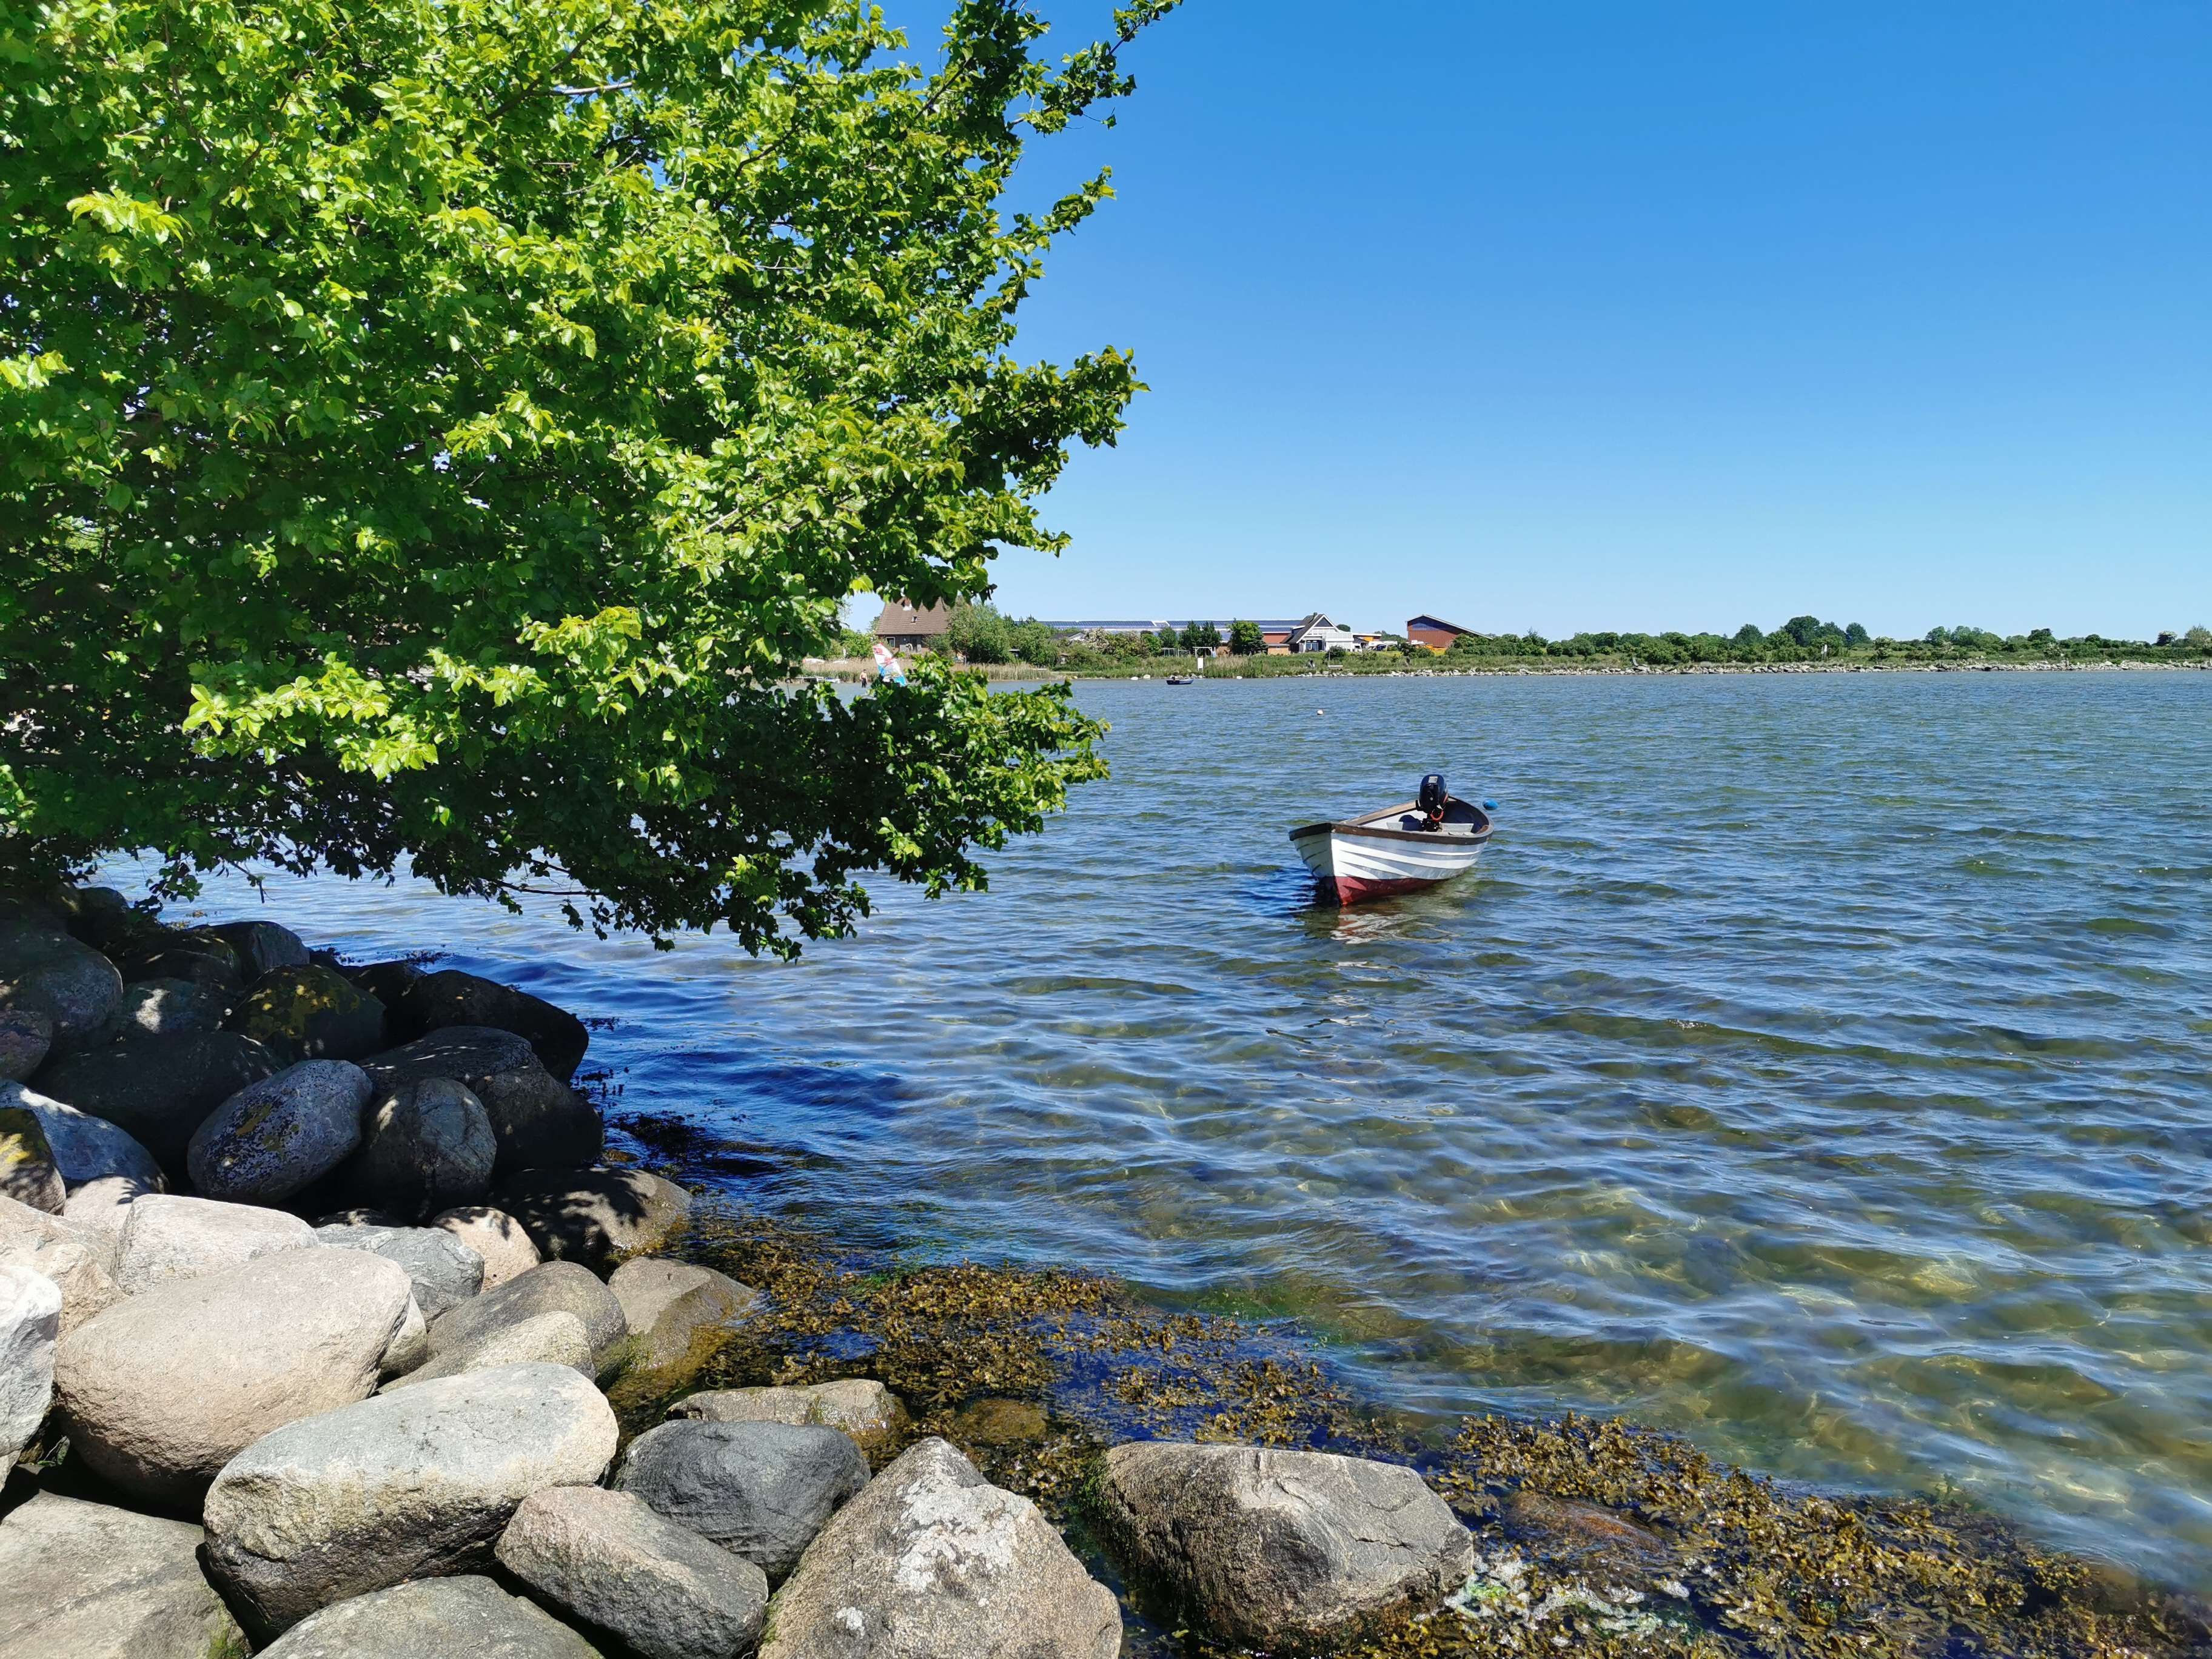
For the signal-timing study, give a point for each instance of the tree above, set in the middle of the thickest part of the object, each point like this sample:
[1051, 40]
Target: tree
[1857, 634]
[1748, 636]
[1245, 639]
[1167, 642]
[2199, 637]
[1200, 636]
[439, 430]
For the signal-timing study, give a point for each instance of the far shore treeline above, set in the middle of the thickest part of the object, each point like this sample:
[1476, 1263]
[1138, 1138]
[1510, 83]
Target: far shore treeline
[979, 633]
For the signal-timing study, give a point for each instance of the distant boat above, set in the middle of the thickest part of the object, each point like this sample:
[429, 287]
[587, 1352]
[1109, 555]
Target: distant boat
[1400, 850]
[1182, 679]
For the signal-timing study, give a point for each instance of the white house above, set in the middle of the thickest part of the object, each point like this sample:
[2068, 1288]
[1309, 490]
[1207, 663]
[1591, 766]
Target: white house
[1318, 633]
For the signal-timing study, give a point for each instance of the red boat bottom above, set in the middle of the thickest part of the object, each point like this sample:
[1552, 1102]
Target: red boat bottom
[1350, 889]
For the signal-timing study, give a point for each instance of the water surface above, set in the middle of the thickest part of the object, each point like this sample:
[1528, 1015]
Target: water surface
[1819, 1066]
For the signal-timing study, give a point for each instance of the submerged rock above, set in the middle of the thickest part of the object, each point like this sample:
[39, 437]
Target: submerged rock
[411, 1483]
[590, 1215]
[610, 1560]
[496, 1236]
[30, 1326]
[1268, 1548]
[281, 1135]
[162, 1389]
[670, 1305]
[933, 1559]
[160, 1088]
[310, 1012]
[464, 1617]
[759, 1490]
[867, 1410]
[27, 1170]
[87, 1580]
[75, 986]
[168, 1236]
[539, 1122]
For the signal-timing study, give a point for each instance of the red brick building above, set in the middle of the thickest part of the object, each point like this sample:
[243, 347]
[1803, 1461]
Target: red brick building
[1434, 632]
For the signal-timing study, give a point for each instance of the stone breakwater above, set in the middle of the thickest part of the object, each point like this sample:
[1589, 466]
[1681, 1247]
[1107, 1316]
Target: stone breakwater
[315, 1277]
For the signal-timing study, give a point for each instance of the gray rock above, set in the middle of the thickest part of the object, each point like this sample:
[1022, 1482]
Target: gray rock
[433, 1618]
[761, 1490]
[933, 1560]
[26, 1035]
[539, 1122]
[197, 954]
[98, 1210]
[70, 983]
[865, 1410]
[591, 1215]
[281, 1135]
[27, 1170]
[167, 1007]
[99, 916]
[388, 981]
[607, 1558]
[433, 1002]
[546, 1339]
[310, 1013]
[1265, 1548]
[446, 1272]
[30, 1325]
[557, 1287]
[50, 1248]
[670, 1306]
[361, 1215]
[496, 1236]
[410, 1349]
[416, 1483]
[163, 1388]
[167, 1236]
[426, 1146]
[85, 1147]
[84, 1580]
[160, 1088]
[263, 947]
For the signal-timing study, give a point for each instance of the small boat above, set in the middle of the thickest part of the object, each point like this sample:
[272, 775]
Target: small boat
[1400, 850]
[1182, 679]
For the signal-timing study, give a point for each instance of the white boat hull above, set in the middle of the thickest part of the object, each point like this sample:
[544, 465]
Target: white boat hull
[1370, 858]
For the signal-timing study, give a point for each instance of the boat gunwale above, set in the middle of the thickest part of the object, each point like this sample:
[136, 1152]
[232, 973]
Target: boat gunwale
[1365, 828]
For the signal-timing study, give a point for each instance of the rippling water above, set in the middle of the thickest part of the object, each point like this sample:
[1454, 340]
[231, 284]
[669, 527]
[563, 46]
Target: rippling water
[1820, 1065]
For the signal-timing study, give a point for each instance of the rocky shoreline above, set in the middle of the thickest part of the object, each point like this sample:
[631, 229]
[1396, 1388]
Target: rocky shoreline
[330, 1324]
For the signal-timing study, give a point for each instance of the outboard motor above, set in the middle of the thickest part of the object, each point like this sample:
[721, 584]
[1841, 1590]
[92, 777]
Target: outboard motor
[1433, 797]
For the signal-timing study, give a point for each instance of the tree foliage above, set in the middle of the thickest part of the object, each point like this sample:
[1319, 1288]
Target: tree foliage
[436, 431]
[1245, 639]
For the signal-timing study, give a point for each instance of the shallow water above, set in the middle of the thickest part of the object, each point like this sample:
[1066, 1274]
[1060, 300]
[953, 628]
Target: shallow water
[1821, 1066]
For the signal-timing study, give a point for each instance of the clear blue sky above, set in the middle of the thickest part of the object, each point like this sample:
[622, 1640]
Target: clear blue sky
[1601, 315]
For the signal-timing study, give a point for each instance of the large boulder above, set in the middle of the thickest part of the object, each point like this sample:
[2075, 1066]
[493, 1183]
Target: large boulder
[167, 1236]
[71, 984]
[592, 1215]
[557, 1287]
[432, 1002]
[411, 1483]
[933, 1559]
[446, 1272]
[432, 1618]
[98, 1210]
[101, 917]
[197, 954]
[165, 1388]
[85, 1580]
[30, 1325]
[865, 1410]
[85, 1147]
[613, 1563]
[161, 1089]
[671, 1306]
[760, 1490]
[263, 947]
[546, 1339]
[49, 1246]
[1265, 1548]
[426, 1146]
[310, 1013]
[25, 1037]
[539, 1122]
[279, 1136]
[495, 1235]
[28, 1173]
[167, 1007]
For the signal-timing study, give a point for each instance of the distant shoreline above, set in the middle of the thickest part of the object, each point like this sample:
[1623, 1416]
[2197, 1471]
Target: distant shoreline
[1159, 668]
